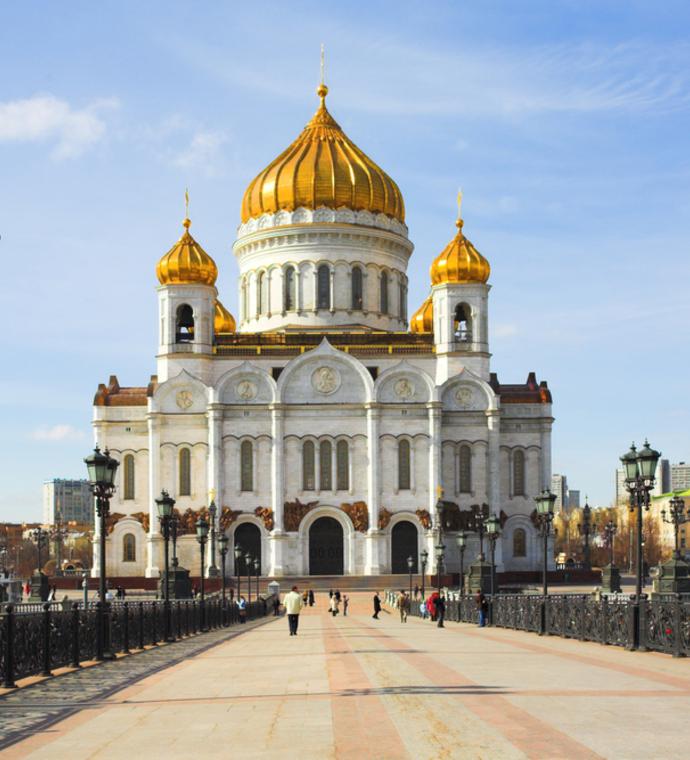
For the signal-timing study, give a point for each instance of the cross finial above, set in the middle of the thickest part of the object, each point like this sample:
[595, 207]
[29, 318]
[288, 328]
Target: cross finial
[323, 64]
[187, 222]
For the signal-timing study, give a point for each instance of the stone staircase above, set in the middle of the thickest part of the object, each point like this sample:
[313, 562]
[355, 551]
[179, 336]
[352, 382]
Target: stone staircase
[322, 583]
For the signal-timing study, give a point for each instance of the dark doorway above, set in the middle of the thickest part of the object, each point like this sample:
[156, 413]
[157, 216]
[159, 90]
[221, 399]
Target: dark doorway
[403, 545]
[326, 547]
[247, 536]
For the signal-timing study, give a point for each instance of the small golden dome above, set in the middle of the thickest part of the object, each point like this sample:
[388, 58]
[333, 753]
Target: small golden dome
[459, 262]
[223, 321]
[423, 319]
[322, 167]
[187, 263]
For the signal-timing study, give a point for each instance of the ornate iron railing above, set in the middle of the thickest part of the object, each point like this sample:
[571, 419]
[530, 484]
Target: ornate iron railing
[39, 641]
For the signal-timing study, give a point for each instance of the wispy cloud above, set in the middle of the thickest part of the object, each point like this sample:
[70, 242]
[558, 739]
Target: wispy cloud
[202, 153]
[46, 118]
[57, 433]
[505, 330]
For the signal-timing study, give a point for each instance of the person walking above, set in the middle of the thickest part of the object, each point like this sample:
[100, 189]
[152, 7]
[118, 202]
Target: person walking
[440, 611]
[416, 592]
[276, 605]
[405, 603]
[335, 605]
[311, 597]
[482, 606]
[377, 605]
[242, 609]
[346, 604]
[293, 604]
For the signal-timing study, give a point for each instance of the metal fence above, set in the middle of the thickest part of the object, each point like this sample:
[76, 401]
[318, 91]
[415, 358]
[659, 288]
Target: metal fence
[37, 641]
[660, 624]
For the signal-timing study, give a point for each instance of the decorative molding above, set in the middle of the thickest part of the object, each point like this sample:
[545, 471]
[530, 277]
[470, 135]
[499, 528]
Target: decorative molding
[424, 518]
[111, 520]
[294, 512]
[385, 516]
[144, 518]
[358, 512]
[228, 517]
[265, 514]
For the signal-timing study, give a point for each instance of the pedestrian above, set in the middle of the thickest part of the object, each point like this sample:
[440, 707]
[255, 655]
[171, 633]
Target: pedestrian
[276, 605]
[51, 594]
[482, 606]
[335, 605]
[311, 597]
[377, 605]
[337, 595]
[423, 610]
[293, 604]
[330, 593]
[305, 597]
[404, 605]
[242, 609]
[440, 611]
[346, 604]
[416, 592]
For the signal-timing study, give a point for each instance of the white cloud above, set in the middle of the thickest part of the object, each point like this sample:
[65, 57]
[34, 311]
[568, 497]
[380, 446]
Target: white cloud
[202, 153]
[57, 433]
[504, 330]
[45, 118]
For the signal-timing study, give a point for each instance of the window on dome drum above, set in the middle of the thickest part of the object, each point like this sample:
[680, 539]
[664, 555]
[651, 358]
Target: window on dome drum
[465, 468]
[519, 543]
[289, 299]
[404, 465]
[308, 473]
[129, 548]
[342, 453]
[184, 324]
[128, 476]
[462, 327]
[402, 294]
[262, 293]
[357, 299]
[323, 299]
[245, 300]
[519, 473]
[246, 466]
[325, 466]
[185, 487]
[384, 292]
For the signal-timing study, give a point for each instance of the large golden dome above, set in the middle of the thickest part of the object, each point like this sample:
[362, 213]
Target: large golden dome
[423, 319]
[223, 321]
[459, 262]
[187, 263]
[323, 167]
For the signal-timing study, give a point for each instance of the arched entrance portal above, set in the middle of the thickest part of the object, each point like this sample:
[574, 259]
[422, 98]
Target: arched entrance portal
[326, 547]
[403, 545]
[247, 536]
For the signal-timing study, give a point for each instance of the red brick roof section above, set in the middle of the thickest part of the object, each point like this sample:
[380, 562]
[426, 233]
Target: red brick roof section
[115, 395]
[529, 393]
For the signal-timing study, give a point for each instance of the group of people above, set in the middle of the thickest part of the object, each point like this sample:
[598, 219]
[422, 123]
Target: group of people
[335, 598]
[434, 607]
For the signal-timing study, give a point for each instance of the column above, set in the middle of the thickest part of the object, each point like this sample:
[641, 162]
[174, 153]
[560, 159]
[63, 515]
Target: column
[493, 475]
[215, 471]
[545, 457]
[152, 570]
[372, 563]
[435, 479]
[278, 539]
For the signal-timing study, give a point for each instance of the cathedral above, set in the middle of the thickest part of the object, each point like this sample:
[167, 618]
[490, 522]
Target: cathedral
[335, 435]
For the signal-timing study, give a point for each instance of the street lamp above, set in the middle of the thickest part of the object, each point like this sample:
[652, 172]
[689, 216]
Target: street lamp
[212, 510]
[248, 559]
[585, 529]
[425, 558]
[610, 530]
[223, 544]
[676, 516]
[101, 468]
[545, 502]
[239, 553]
[40, 537]
[165, 504]
[640, 467]
[257, 572]
[202, 538]
[440, 555]
[410, 567]
[493, 531]
[477, 525]
[174, 525]
[461, 540]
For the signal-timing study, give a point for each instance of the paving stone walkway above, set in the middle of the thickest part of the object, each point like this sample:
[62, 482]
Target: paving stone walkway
[360, 688]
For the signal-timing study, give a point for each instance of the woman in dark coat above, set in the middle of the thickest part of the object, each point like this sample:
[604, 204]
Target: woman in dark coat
[377, 606]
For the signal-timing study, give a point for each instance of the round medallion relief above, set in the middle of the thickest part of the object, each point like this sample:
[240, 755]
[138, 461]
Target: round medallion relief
[403, 388]
[184, 399]
[245, 390]
[464, 395]
[325, 380]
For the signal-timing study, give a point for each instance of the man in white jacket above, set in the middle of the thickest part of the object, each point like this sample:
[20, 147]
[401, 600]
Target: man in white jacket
[293, 604]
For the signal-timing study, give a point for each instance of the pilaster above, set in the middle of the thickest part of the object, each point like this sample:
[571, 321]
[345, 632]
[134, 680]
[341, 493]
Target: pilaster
[153, 422]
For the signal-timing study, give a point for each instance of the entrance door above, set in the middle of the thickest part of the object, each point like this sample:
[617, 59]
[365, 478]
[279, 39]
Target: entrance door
[403, 545]
[326, 547]
[247, 536]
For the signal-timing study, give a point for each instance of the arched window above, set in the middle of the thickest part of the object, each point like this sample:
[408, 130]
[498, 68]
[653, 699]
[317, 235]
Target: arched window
[325, 466]
[184, 324]
[289, 300]
[308, 479]
[462, 325]
[342, 453]
[357, 299]
[465, 468]
[383, 282]
[402, 295]
[519, 473]
[323, 300]
[185, 488]
[246, 466]
[128, 476]
[404, 465]
[262, 293]
[519, 543]
[245, 299]
[129, 548]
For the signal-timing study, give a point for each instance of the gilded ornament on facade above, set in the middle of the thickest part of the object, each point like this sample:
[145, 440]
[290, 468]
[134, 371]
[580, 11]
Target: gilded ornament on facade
[110, 521]
[184, 399]
[265, 514]
[245, 390]
[359, 514]
[404, 389]
[294, 512]
[144, 518]
[464, 395]
[424, 518]
[325, 380]
[384, 518]
[228, 517]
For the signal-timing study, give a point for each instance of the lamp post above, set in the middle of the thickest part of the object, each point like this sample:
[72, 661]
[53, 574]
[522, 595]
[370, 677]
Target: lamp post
[676, 516]
[239, 553]
[257, 572]
[410, 567]
[640, 467]
[202, 538]
[165, 504]
[174, 525]
[461, 540]
[223, 544]
[545, 502]
[248, 559]
[610, 530]
[477, 525]
[212, 511]
[493, 531]
[585, 529]
[440, 556]
[40, 537]
[425, 558]
[101, 468]
[58, 534]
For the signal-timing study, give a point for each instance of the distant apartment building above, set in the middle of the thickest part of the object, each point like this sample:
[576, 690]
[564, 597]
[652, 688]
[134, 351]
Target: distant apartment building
[67, 500]
[573, 498]
[679, 477]
[559, 486]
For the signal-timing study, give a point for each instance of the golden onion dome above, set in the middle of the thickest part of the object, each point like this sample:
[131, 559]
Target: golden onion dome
[187, 263]
[223, 321]
[423, 319]
[323, 167]
[459, 262]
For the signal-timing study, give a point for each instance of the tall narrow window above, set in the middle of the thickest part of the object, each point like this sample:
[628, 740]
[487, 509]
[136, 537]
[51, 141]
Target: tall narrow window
[357, 300]
[404, 465]
[402, 295]
[245, 300]
[519, 473]
[308, 479]
[128, 475]
[519, 543]
[262, 293]
[129, 548]
[246, 466]
[342, 453]
[290, 300]
[325, 466]
[185, 488]
[324, 287]
[465, 467]
[184, 324]
[384, 292]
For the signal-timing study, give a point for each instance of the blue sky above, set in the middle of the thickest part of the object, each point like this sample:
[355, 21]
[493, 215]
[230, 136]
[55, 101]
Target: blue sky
[565, 123]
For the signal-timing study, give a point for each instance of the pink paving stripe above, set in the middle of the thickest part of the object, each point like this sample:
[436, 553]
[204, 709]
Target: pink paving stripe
[362, 727]
[526, 733]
